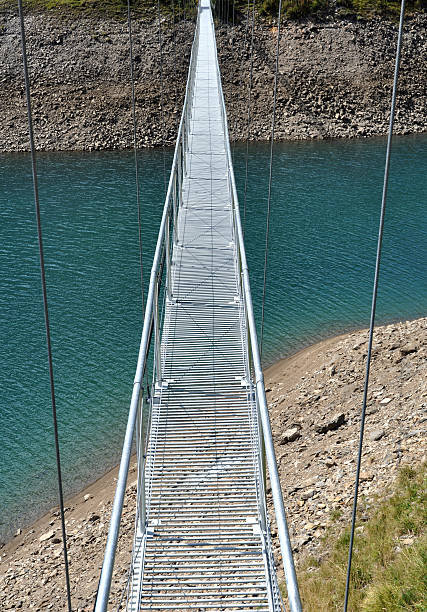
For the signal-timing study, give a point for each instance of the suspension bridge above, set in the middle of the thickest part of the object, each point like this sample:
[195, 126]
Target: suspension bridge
[202, 539]
[203, 438]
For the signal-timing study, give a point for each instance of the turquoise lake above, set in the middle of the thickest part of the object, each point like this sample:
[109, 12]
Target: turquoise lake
[326, 200]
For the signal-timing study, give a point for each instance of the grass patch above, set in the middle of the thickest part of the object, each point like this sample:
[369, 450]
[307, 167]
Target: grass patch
[143, 9]
[291, 9]
[298, 9]
[294, 9]
[389, 568]
[384, 8]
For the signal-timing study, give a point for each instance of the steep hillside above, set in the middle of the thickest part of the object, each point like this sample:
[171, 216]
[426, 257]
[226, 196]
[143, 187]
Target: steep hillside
[335, 79]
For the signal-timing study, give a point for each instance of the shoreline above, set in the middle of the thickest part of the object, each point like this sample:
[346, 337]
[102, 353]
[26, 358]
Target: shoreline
[106, 482]
[239, 141]
[104, 486]
[314, 399]
[98, 490]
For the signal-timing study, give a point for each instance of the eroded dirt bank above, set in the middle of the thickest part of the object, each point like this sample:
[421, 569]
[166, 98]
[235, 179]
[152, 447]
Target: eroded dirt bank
[335, 80]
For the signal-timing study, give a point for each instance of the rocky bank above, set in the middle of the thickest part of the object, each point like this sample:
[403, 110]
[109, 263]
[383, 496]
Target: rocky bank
[335, 79]
[315, 399]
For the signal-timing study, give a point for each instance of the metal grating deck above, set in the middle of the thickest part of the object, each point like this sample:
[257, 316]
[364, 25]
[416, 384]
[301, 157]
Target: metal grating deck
[204, 548]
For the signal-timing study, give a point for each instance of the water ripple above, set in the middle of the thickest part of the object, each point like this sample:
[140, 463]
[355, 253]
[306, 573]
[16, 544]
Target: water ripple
[325, 210]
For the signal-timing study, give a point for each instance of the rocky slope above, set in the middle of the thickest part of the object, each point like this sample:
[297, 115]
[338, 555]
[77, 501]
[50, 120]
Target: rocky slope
[315, 400]
[80, 83]
[335, 80]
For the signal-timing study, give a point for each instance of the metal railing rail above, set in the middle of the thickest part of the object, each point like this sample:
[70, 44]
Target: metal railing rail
[261, 400]
[170, 208]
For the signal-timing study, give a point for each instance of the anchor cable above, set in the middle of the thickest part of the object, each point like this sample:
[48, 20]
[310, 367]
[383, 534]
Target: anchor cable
[240, 80]
[374, 300]
[175, 56]
[270, 176]
[135, 152]
[162, 110]
[45, 303]
[251, 70]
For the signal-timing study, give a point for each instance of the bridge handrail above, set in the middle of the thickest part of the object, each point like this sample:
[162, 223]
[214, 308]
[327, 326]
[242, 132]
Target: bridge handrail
[116, 513]
[282, 527]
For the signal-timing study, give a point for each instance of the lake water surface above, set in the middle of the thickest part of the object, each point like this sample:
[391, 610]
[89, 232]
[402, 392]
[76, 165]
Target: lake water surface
[325, 210]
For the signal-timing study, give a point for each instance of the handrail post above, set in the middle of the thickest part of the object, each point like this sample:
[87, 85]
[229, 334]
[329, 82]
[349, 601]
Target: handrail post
[140, 450]
[157, 340]
[183, 150]
[261, 463]
[174, 206]
[168, 260]
[179, 176]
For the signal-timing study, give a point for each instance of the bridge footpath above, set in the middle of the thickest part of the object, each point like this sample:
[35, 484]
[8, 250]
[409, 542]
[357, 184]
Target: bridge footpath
[206, 545]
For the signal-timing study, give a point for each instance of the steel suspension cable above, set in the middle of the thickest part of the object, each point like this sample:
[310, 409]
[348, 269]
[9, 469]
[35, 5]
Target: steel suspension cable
[232, 37]
[135, 152]
[162, 96]
[174, 53]
[241, 63]
[251, 70]
[45, 303]
[374, 299]
[270, 176]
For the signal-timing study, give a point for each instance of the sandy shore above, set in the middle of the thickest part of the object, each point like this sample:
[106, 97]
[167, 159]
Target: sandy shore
[314, 446]
[77, 507]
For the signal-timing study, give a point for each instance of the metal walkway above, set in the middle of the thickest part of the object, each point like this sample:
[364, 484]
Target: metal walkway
[202, 538]
[205, 548]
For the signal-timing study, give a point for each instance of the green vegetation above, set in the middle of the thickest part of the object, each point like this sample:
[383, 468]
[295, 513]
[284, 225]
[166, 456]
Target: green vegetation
[145, 9]
[291, 9]
[389, 8]
[295, 9]
[389, 569]
[298, 9]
